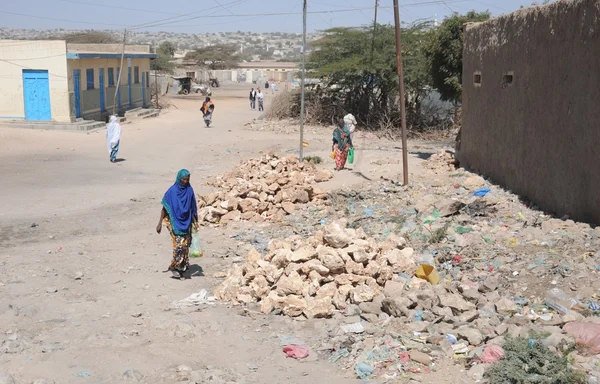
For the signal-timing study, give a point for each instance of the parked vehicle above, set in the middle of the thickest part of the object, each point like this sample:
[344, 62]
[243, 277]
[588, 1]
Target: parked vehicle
[185, 85]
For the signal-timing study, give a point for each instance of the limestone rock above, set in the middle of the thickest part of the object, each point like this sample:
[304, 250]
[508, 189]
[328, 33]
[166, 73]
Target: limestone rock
[319, 308]
[472, 335]
[394, 289]
[303, 254]
[293, 306]
[455, 302]
[506, 307]
[331, 259]
[420, 357]
[288, 207]
[290, 285]
[336, 236]
[396, 307]
[363, 293]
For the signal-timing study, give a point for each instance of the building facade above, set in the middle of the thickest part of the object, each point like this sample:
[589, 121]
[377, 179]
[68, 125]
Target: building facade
[56, 81]
[531, 85]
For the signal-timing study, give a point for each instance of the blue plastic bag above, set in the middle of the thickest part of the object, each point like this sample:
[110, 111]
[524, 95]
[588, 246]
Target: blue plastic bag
[481, 192]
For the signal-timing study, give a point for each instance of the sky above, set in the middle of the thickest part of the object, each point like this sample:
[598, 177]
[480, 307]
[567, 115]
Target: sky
[202, 16]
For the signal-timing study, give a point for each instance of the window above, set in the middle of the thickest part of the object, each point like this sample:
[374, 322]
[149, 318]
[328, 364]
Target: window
[136, 75]
[507, 79]
[147, 79]
[111, 77]
[89, 78]
[477, 78]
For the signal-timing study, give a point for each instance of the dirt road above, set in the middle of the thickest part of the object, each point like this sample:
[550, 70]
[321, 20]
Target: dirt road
[83, 296]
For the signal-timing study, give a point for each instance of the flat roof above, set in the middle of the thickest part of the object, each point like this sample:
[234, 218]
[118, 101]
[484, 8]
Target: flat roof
[99, 55]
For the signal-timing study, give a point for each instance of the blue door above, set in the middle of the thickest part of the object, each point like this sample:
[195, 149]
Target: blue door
[36, 95]
[77, 91]
[102, 104]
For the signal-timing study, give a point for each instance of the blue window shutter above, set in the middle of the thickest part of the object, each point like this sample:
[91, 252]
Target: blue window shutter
[89, 78]
[136, 75]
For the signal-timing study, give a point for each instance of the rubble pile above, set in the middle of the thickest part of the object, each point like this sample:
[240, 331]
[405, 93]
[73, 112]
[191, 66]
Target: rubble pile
[442, 161]
[313, 277]
[263, 189]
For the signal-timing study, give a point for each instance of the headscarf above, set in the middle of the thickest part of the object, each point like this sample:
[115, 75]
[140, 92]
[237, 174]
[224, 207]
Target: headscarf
[342, 136]
[180, 204]
[113, 133]
[350, 122]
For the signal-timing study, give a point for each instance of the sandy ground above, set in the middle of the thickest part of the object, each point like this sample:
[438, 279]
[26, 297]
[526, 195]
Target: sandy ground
[83, 296]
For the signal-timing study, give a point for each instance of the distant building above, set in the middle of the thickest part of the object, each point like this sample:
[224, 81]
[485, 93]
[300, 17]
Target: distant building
[50, 80]
[271, 70]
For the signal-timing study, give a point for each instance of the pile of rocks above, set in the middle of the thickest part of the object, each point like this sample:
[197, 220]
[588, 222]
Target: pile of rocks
[332, 269]
[442, 161]
[263, 189]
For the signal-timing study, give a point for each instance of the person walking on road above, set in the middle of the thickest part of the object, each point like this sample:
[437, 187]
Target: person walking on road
[207, 110]
[113, 138]
[179, 214]
[342, 142]
[252, 99]
[273, 86]
[261, 98]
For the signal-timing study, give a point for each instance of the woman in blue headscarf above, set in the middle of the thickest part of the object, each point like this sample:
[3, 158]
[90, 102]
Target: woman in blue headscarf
[179, 213]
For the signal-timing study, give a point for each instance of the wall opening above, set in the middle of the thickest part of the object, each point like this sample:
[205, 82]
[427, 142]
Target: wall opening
[507, 79]
[477, 79]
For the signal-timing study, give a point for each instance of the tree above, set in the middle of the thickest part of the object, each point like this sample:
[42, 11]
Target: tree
[359, 68]
[165, 52]
[444, 54]
[92, 37]
[216, 56]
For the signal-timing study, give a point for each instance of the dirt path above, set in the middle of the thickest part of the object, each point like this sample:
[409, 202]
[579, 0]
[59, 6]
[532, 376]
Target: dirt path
[82, 295]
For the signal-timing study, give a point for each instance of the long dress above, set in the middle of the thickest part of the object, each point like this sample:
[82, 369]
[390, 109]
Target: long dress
[113, 138]
[342, 143]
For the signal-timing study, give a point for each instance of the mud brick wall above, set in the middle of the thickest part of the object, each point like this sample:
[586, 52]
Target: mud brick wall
[531, 105]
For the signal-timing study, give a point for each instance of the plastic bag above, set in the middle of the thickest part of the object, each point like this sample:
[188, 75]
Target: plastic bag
[558, 300]
[296, 351]
[351, 156]
[332, 155]
[587, 334]
[195, 247]
[492, 353]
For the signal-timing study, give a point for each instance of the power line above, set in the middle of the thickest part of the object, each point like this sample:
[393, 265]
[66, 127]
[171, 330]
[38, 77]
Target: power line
[26, 67]
[165, 22]
[34, 58]
[119, 7]
[221, 5]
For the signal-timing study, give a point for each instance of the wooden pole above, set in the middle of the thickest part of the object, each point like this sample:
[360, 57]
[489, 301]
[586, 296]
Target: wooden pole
[372, 54]
[302, 79]
[401, 90]
[120, 73]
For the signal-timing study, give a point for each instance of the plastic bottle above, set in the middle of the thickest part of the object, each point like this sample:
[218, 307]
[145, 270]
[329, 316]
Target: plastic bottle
[558, 300]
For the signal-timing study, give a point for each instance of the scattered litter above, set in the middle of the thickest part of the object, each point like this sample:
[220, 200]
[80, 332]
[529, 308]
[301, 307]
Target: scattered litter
[290, 340]
[296, 351]
[195, 299]
[481, 192]
[363, 370]
[353, 328]
[491, 353]
[84, 375]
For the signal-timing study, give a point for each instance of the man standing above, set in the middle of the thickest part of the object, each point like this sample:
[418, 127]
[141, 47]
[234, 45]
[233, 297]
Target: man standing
[273, 87]
[261, 97]
[252, 99]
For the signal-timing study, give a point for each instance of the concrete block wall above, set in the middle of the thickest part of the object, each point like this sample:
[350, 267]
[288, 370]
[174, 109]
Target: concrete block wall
[17, 55]
[531, 85]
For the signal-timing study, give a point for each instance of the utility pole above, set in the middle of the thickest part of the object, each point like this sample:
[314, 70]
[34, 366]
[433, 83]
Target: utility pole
[401, 90]
[120, 73]
[372, 54]
[302, 81]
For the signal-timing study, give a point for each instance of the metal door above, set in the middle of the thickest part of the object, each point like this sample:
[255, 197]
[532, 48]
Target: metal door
[36, 94]
[143, 90]
[102, 103]
[77, 91]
